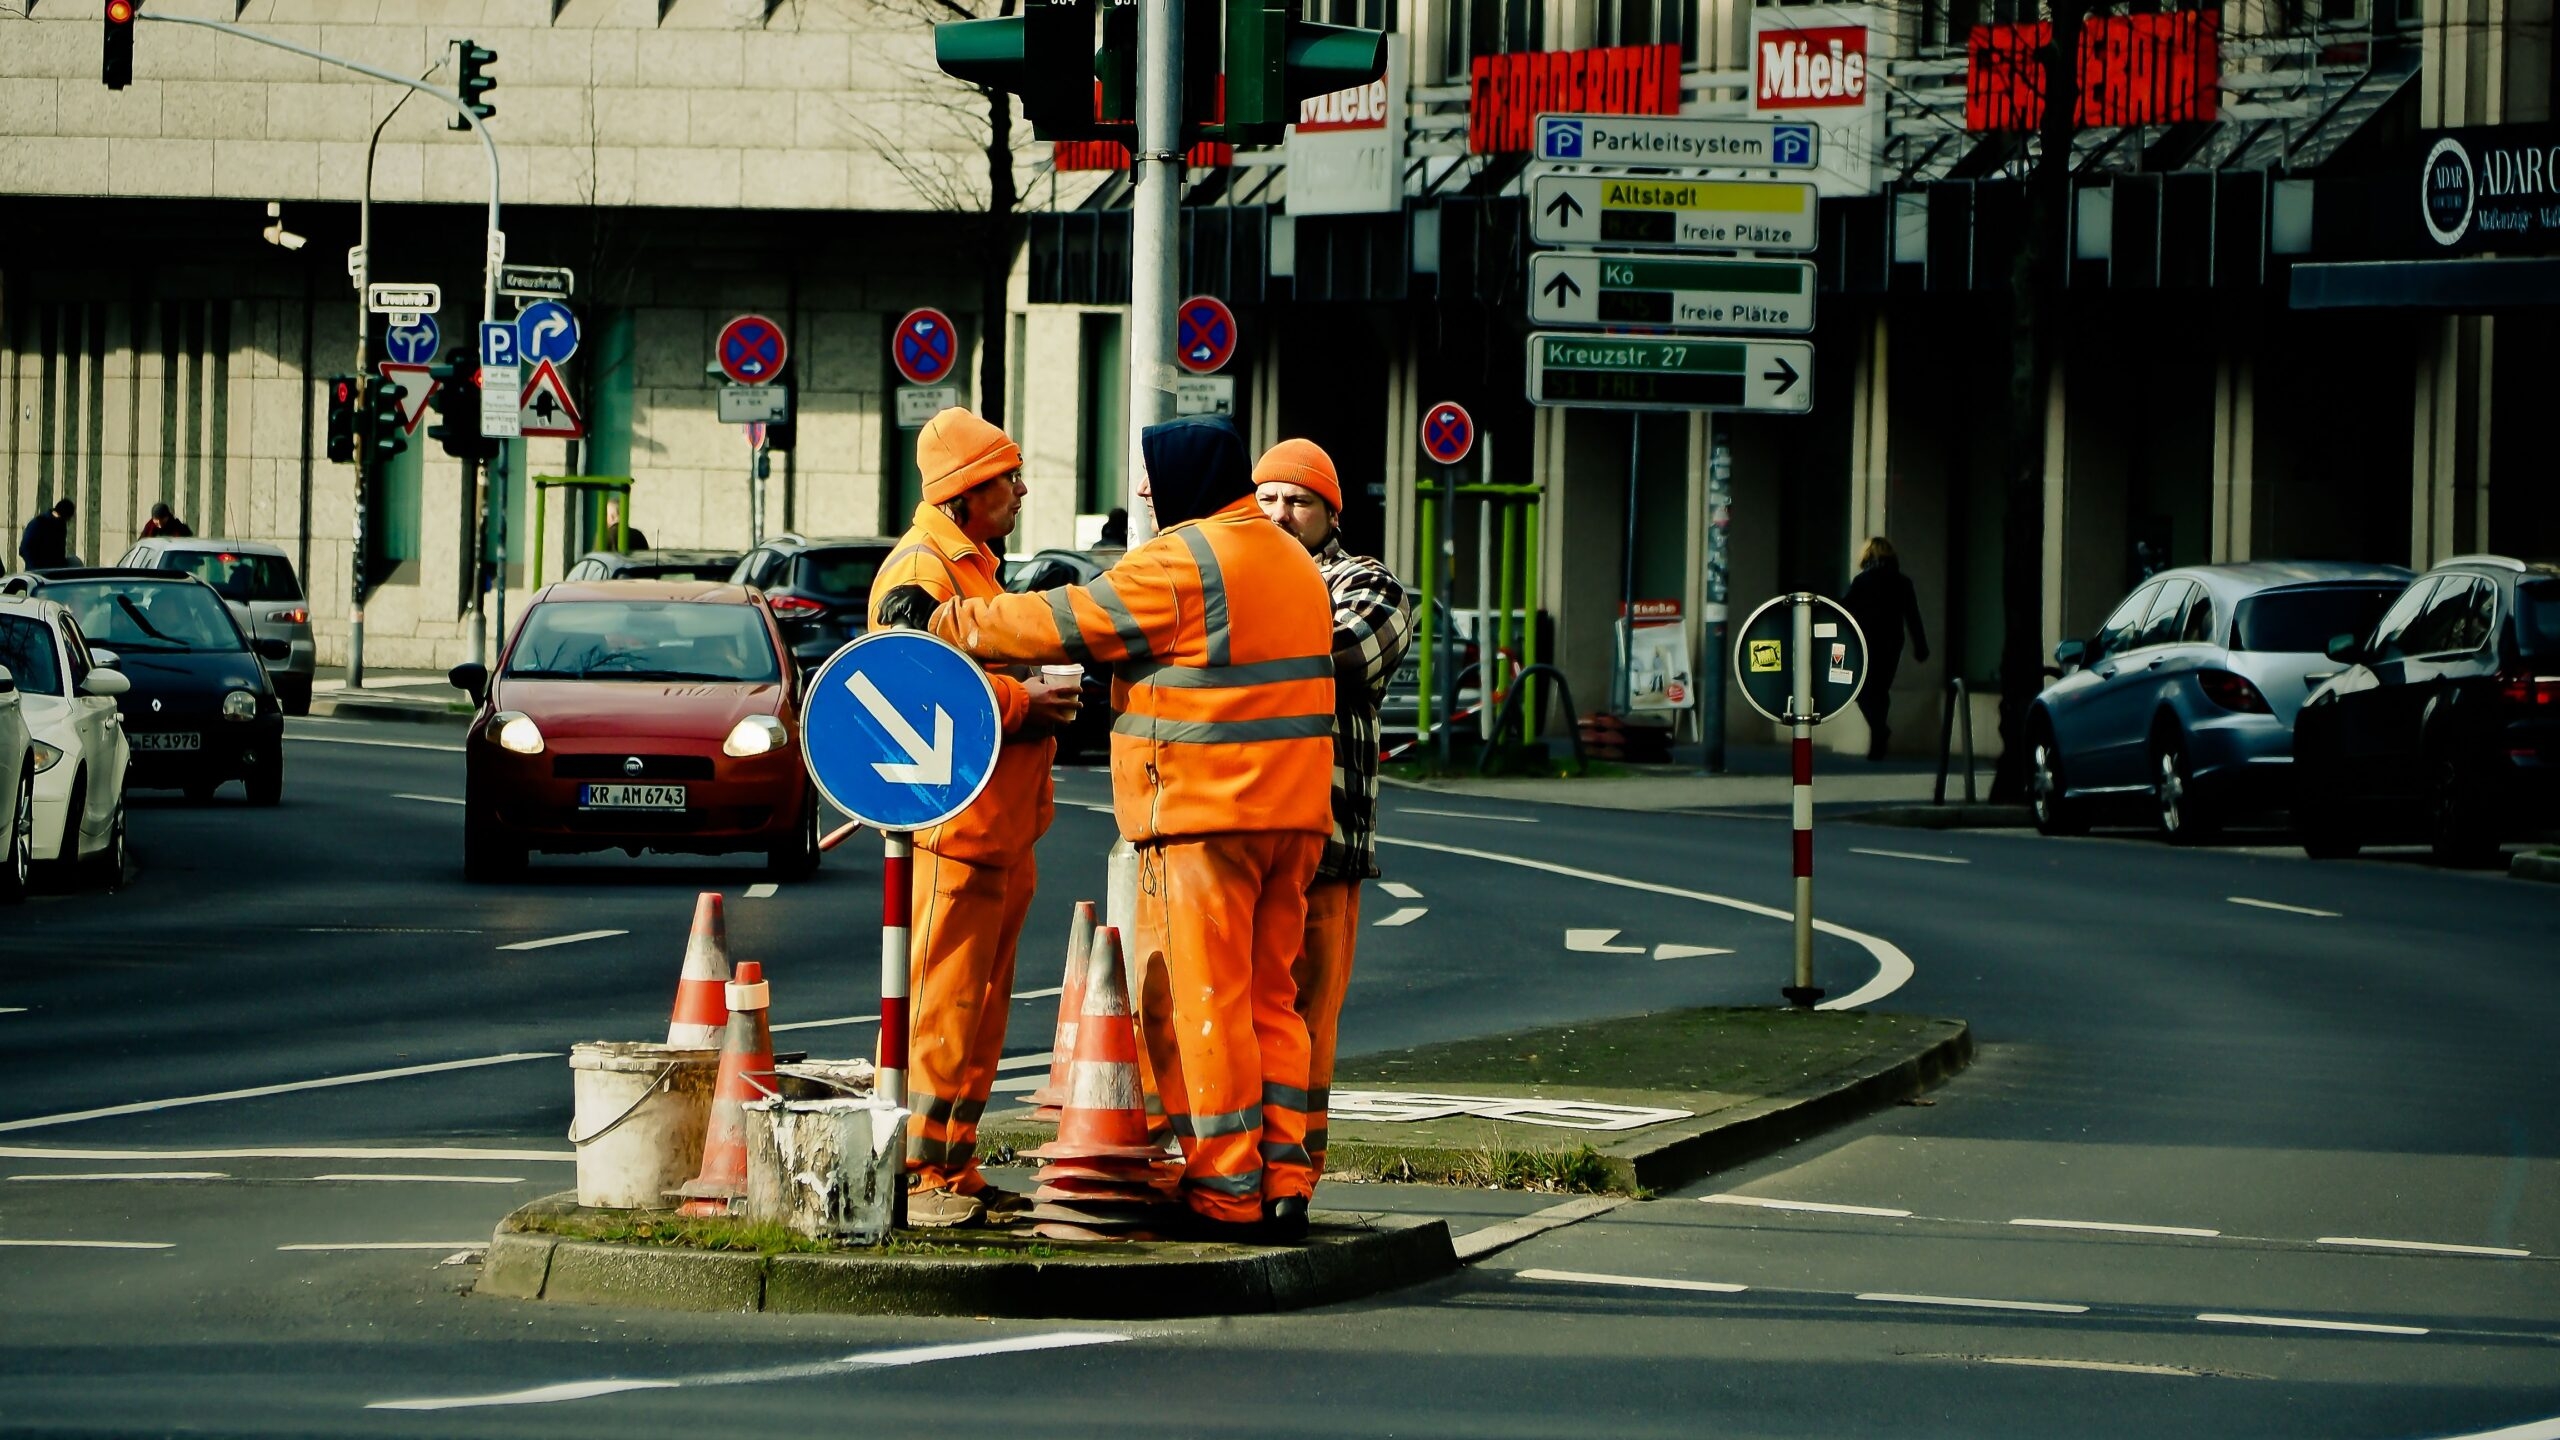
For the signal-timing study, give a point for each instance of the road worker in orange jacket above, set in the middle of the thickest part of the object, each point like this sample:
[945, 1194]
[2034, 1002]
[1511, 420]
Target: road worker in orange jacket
[1219, 637]
[975, 872]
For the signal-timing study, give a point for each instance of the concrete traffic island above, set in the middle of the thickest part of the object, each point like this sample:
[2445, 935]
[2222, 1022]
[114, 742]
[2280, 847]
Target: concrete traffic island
[553, 1250]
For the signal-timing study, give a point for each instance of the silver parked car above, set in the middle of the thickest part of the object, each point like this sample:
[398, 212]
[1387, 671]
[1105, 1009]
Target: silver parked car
[2183, 702]
[257, 581]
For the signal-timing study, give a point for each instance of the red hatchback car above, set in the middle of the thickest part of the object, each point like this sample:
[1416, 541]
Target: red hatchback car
[638, 715]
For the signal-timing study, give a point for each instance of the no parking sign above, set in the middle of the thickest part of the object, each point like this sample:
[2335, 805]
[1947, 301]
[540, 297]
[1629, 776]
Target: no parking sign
[1448, 432]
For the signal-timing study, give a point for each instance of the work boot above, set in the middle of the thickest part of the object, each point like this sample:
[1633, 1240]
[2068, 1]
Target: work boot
[941, 1209]
[1003, 1207]
[1185, 1223]
[1284, 1220]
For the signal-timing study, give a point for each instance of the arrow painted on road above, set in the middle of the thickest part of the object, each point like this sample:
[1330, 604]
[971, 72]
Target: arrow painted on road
[1561, 287]
[1785, 374]
[1596, 942]
[925, 764]
[1685, 952]
[1564, 203]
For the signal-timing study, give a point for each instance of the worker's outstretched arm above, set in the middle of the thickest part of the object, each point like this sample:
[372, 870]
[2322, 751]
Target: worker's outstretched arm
[1133, 613]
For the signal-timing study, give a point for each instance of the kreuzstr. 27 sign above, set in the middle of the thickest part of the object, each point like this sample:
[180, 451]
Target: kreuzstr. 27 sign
[2483, 188]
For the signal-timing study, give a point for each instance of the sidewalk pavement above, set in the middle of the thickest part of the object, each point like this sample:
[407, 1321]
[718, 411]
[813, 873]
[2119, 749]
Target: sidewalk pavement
[417, 696]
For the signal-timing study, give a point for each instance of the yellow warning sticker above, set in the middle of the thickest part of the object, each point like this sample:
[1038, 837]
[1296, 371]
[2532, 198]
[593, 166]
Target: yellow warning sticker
[1765, 655]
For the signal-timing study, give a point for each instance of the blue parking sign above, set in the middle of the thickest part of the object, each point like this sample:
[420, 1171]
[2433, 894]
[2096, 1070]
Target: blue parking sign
[498, 343]
[900, 730]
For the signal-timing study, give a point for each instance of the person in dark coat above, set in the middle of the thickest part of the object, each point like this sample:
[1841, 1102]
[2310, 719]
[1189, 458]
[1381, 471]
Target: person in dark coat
[1883, 601]
[164, 522]
[46, 542]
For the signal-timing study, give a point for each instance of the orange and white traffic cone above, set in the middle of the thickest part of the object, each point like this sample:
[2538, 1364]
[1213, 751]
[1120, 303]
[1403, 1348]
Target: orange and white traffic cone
[700, 1013]
[1062, 1051]
[746, 1073]
[1101, 1178]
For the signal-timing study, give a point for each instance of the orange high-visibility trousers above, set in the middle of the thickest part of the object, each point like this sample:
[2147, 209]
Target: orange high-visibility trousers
[1220, 923]
[968, 919]
[1323, 973]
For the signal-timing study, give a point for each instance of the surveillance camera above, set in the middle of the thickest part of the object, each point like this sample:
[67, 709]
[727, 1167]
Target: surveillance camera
[278, 235]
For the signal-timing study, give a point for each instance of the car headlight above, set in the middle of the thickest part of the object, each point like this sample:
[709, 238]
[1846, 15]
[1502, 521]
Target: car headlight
[46, 756]
[515, 730]
[239, 705]
[755, 735]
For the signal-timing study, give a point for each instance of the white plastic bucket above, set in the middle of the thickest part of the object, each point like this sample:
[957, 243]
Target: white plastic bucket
[641, 1113]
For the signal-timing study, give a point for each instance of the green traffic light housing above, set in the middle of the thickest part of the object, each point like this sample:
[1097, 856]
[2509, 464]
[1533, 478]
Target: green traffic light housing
[472, 81]
[1044, 55]
[455, 399]
[345, 401]
[386, 425]
[1275, 60]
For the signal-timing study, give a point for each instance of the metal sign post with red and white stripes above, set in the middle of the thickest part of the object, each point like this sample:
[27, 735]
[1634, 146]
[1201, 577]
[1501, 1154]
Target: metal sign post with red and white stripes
[1801, 665]
[897, 920]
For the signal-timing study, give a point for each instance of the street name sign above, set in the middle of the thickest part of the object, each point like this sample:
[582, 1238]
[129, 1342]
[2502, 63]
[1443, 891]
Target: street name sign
[1671, 292]
[1677, 140]
[393, 299]
[501, 396]
[536, 282]
[918, 404]
[1651, 213]
[748, 404]
[900, 730]
[1636, 372]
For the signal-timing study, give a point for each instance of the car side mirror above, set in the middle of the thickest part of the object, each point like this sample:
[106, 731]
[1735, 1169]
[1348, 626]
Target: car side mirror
[2071, 654]
[471, 678]
[8, 682]
[105, 659]
[106, 684]
[269, 648]
[2345, 650]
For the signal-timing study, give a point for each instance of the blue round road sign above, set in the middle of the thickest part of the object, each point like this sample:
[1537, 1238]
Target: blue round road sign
[546, 330]
[900, 730]
[926, 346]
[413, 343]
[1204, 334]
[1448, 432]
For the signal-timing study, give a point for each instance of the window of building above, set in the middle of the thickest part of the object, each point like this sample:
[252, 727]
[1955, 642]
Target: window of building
[1102, 451]
[1491, 27]
[1367, 14]
[1648, 22]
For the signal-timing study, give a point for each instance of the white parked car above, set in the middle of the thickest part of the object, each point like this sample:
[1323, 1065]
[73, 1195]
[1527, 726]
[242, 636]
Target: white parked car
[257, 581]
[17, 793]
[66, 694]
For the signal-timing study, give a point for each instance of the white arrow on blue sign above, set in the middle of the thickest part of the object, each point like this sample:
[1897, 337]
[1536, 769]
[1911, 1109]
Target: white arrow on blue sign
[547, 330]
[413, 343]
[498, 343]
[900, 730]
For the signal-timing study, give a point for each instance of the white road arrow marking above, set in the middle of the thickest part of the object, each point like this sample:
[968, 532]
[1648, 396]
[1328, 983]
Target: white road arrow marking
[1685, 952]
[1596, 942]
[926, 764]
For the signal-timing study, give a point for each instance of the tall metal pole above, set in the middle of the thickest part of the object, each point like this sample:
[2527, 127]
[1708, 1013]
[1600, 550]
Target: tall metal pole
[1447, 603]
[1624, 693]
[1155, 227]
[1803, 993]
[1719, 588]
[364, 354]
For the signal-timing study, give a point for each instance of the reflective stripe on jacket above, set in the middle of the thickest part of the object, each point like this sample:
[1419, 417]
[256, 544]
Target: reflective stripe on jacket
[1219, 635]
[1013, 812]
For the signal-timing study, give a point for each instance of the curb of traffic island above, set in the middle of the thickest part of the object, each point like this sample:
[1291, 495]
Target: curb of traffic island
[1346, 1256]
[409, 712]
[1947, 817]
[2529, 866]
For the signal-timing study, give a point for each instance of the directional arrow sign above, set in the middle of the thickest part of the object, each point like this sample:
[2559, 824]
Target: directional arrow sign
[1654, 214]
[900, 730]
[1672, 292]
[1632, 372]
[1597, 942]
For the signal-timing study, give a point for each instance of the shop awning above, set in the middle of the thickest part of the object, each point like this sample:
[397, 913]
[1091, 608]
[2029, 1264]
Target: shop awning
[2449, 285]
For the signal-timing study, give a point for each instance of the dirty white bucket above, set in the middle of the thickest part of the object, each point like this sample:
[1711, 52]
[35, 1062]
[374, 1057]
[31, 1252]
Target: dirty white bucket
[641, 1113]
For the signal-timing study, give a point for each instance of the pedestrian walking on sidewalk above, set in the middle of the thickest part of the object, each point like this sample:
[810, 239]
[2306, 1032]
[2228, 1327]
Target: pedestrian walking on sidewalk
[165, 524]
[1882, 600]
[46, 542]
[1296, 485]
[1218, 633]
[974, 873]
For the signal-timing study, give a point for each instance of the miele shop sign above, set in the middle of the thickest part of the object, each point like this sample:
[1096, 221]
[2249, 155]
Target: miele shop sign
[1811, 69]
[2491, 187]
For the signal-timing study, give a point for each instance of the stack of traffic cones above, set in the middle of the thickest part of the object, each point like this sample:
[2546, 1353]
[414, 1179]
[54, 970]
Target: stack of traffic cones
[1062, 1052]
[701, 1013]
[1101, 1179]
[746, 1073]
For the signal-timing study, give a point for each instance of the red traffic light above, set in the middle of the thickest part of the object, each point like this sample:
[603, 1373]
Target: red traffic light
[119, 11]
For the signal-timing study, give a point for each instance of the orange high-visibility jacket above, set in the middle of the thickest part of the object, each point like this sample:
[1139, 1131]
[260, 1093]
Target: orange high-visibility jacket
[1219, 635]
[1013, 812]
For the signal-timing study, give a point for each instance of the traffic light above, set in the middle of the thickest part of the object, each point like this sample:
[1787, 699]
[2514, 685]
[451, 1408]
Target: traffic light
[345, 401]
[386, 425]
[456, 403]
[118, 72]
[1274, 60]
[472, 80]
[1045, 55]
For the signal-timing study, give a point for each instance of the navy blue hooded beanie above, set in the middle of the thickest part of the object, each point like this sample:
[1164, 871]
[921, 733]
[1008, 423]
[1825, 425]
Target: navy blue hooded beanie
[1196, 466]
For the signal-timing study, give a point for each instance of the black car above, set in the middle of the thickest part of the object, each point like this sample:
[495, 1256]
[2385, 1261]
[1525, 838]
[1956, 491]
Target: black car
[201, 710]
[2444, 723]
[820, 590]
[1048, 570]
[712, 565]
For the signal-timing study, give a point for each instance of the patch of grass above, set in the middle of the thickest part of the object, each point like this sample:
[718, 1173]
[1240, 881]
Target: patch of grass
[1728, 1049]
[1494, 1165]
[770, 1238]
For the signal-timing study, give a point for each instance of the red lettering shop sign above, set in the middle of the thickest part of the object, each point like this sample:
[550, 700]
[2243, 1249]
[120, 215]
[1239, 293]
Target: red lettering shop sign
[1508, 91]
[2159, 69]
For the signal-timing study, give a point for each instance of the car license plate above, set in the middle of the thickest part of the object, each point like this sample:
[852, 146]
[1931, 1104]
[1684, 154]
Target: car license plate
[165, 740]
[631, 797]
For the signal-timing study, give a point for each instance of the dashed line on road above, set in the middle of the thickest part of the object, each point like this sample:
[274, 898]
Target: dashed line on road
[1961, 1302]
[130, 1175]
[2105, 1367]
[2120, 1227]
[1024, 1062]
[2296, 1322]
[1634, 1282]
[430, 1179]
[386, 930]
[13, 1009]
[447, 1245]
[2277, 905]
[1910, 855]
[1051, 992]
[1404, 916]
[1813, 1206]
[824, 1024]
[90, 1244]
[1400, 890]
[2430, 1247]
[140, 1107]
[428, 799]
[377, 744]
[765, 890]
[1465, 815]
[579, 938]
[2529, 1430]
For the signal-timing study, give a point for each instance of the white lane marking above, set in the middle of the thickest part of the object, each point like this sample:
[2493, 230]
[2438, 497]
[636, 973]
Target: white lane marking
[1051, 993]
[289, 1152]
[2430, 1247]
[547, 943]
[2291, 1322]
[1597, 942]
[1910, 855]
[386, 930]
[38, 1122]
[823, 1024]
[1404, 916]
[131, 1175]
[1667, 951]
[1400, 890]
[1024, 1062]
[1477, 1244]
[1960, 1302]
[1814, 1206]
[1464, 815]
[1637, 1282]
[2529, 1430]
[387, 1245]
[2288, 909]
[764, 891]
[867, 1360]
[2110, 1367]
[430, 799]
[2120, 1228]
[431, 1179]
[1103, 809]
[1018, 1084]
[380, 744]
[13, 1009]
[90, 1244]
[1893, 968]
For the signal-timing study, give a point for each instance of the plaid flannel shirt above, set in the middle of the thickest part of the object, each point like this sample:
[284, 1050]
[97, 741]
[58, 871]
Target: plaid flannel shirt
[1372, 626]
